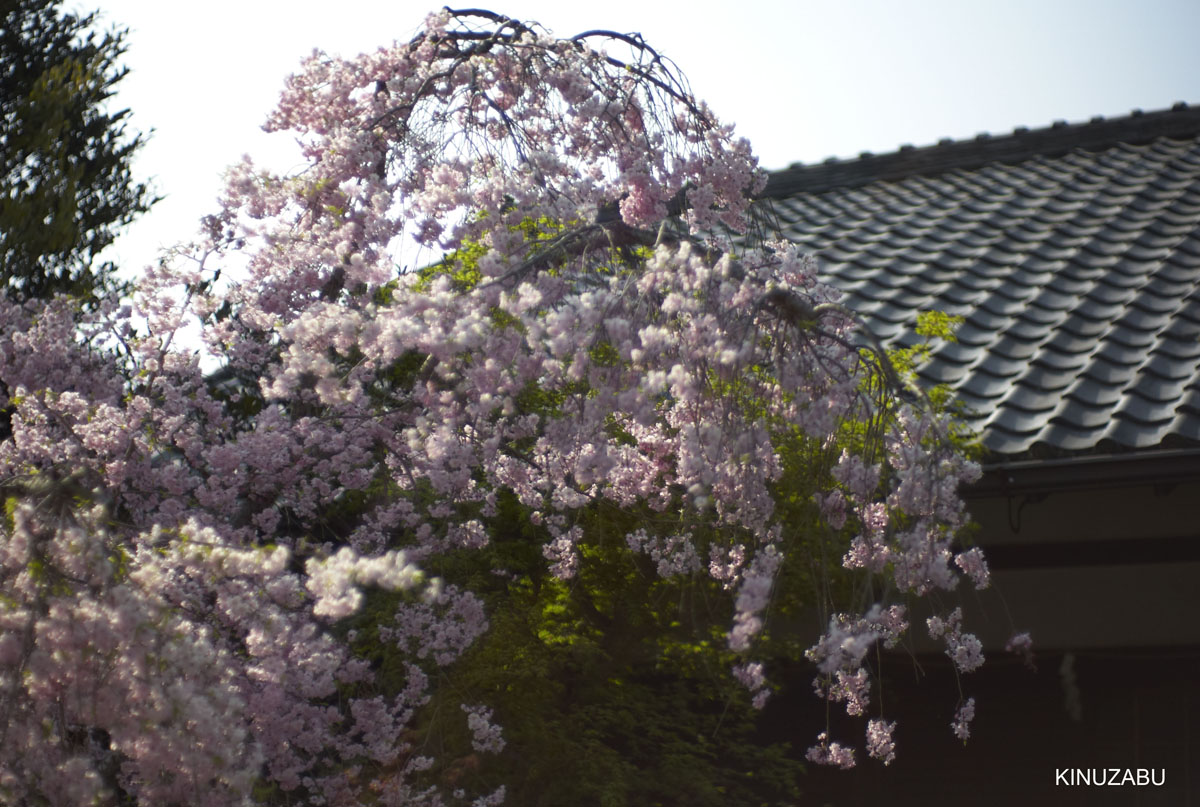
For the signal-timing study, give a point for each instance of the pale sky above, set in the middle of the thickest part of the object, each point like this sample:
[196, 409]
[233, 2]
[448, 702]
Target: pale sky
[803, 80]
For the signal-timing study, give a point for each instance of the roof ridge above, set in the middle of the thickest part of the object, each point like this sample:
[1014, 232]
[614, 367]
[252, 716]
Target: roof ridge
[1180, 121]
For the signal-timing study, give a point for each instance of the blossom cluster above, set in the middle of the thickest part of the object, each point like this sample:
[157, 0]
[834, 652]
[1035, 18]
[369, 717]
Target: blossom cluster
[441, 626]
[673, 555]
[486, 735]
[879, 741]
[831, 753]
[962, 719]
[964, 649]
[751, 676]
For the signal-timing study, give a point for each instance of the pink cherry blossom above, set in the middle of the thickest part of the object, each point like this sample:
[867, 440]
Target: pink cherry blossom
[594, 326]
[962, 719]
[879, 741]
[827, 753]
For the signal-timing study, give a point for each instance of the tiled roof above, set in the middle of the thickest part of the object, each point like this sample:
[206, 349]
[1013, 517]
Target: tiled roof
[1073, 252]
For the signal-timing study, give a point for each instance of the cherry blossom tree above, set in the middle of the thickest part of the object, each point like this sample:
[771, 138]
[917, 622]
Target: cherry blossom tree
[250, 585]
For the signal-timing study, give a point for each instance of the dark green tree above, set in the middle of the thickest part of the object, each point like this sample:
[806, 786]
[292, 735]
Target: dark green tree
[65, 156]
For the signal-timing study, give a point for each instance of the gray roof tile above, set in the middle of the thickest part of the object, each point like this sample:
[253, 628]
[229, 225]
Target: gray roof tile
[1165, 366]
[985, 386]
[1180, 349]
[1072, 252]
[1049, 379]
[1108, 372]
[1094, 418]
[1031, 399]
[1027, 329]
[1084, 323]
[1092, 393]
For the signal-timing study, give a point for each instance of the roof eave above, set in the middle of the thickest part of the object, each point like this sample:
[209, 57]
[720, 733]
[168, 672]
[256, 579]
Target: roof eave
[1180, 121]
[1026, 477]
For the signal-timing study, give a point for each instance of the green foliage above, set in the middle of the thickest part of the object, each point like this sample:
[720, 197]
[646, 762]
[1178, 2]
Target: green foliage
[64, 157]
[462, 265]
[930, 325]
[937, 325]
[613, 688]
[10, 513]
